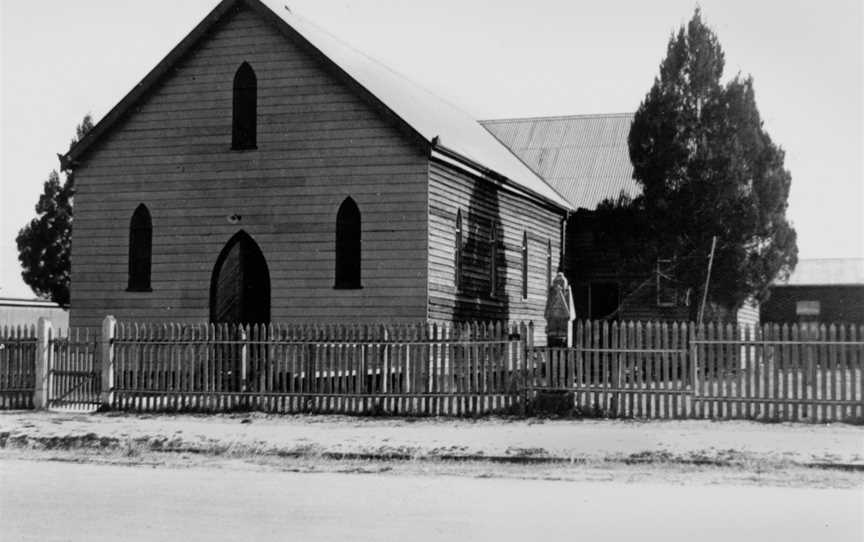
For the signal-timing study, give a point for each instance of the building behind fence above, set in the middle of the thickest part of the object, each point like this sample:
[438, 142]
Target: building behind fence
[633, 369]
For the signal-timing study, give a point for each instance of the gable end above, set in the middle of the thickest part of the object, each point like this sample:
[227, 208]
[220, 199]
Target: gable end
[227, 7]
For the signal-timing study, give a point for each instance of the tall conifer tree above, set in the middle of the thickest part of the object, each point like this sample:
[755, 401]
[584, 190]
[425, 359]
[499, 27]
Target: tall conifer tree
[708, 168]
[45, 242]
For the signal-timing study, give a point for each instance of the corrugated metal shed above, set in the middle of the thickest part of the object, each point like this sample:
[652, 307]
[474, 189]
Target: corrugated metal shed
[26, 312]
[585, 157]
[827, 272]
[426, 113]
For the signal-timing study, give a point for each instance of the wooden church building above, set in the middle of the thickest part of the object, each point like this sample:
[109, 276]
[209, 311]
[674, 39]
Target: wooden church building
[265, 171]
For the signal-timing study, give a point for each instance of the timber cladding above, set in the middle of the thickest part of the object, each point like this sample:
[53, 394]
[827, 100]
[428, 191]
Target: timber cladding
[317, 143]
[483, 205]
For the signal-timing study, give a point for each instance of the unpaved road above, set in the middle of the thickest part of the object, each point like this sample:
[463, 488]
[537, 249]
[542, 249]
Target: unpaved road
[46, 500]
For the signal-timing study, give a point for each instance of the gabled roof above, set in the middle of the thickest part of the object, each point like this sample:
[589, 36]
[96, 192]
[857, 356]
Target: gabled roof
[826, 272]
[439, 125]
[585, 157]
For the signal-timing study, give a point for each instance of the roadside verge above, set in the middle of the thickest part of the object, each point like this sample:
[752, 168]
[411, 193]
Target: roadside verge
[498, 440]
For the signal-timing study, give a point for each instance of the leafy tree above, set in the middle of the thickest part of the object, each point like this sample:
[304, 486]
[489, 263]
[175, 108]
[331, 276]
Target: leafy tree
[708, 168]
[45, 242]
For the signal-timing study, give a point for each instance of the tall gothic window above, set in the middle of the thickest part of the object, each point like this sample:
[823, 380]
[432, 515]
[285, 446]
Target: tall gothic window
[348, 247]
[457, 250]
[140, 249]
[245, 108]
[524, 265]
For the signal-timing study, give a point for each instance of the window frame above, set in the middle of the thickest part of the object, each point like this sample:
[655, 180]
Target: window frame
[348, 247]
[140, 256]
[493, 260]
[244, 113]
[458, 262]
[524, 264]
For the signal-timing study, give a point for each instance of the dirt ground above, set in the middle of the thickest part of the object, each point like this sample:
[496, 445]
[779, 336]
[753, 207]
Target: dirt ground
[669, 451]
[97, 502]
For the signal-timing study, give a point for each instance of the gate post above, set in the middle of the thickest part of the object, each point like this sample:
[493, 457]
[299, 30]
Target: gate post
[42, 367]
[109, 329]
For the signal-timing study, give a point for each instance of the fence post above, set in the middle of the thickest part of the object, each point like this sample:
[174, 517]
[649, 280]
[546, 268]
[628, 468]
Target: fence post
[42, 368]
[695, 404]
[109, 329]
[244, 358]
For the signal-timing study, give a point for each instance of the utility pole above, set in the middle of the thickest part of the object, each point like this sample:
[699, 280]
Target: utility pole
[707, 279]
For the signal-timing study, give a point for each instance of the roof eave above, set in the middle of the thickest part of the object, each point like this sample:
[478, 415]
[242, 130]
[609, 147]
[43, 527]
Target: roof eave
[497, 177]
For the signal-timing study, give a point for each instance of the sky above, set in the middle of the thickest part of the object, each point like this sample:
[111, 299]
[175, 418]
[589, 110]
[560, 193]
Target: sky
[494, 58]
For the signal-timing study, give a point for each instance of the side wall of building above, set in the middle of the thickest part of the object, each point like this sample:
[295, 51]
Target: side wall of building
[482, 205]
[22, 314]
[594, 263]
[318, 143]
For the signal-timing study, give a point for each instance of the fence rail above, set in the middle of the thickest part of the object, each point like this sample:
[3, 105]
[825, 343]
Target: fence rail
[660, 370]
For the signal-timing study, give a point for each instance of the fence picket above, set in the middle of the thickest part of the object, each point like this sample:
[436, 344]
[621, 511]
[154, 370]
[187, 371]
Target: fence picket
[626, 369]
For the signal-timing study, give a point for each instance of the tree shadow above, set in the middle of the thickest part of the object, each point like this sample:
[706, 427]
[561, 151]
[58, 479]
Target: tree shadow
[482, 287]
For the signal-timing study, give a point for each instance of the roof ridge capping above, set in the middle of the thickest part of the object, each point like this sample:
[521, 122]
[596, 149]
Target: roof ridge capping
[560, 117]
[423, 115]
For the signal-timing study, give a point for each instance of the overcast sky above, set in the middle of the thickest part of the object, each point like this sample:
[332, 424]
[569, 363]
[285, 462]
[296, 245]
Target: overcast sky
[494, 58]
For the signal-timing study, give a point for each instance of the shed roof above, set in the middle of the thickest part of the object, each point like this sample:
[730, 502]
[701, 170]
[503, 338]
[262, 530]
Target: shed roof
[28, 302]
[826, 272]
[440, 124]
[585, 157]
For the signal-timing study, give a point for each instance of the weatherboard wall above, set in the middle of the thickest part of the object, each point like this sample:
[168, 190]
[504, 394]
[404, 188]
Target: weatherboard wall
[318, 142]
[484, 204]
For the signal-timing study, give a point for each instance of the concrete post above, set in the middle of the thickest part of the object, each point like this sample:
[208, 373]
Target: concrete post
[43, 369]
[109, 330]
[559, 313]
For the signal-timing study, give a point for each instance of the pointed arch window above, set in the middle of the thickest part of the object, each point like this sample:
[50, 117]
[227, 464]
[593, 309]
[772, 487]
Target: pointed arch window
[524, 265]
[348, 246]
[140, 250]
[245, 117]
[457, 250]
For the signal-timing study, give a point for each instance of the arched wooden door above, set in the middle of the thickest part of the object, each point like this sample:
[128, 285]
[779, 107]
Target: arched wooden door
[240, 284]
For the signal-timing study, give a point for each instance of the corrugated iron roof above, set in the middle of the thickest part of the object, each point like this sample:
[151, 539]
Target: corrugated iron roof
[444, 126]
[585, 157]
[428, 114]
[827, 272]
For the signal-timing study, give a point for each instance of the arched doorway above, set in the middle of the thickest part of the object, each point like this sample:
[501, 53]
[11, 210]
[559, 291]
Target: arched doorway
[240, 284]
